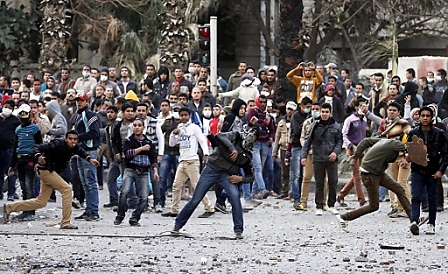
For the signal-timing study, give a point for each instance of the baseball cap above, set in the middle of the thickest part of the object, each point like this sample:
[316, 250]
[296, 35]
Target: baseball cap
[81, 96]
[292, 105]
[178, 105]
[24, 111]
[331, 65]
[327, 88]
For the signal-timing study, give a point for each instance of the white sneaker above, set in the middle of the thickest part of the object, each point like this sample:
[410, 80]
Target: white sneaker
[333, 211]
[342, 223]
[319, 212]
[431, 230]
[158, 209]
[248, 206]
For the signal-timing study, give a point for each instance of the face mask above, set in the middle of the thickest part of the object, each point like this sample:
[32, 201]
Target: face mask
[246, 82]
[207, 113]
[316, 114]
[265, 93]
[221, 117]
[176, 115]
[439, 78]
[191, 70]
[104, 78]
[172, 105]
[430, 79]
[85, 74]
[6, 112]
[274, 114]
[359, 94]
[360, 112]
[306, 110]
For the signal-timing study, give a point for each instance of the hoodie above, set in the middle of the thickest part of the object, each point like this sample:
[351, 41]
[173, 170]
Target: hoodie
[161, 87]
[58, 122]
[232, 121]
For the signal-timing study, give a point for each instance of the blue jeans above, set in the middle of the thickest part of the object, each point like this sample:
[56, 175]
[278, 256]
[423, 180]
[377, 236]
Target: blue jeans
[132, 197]
[168, 162]
[260, 153]
[155, 185]
[296, 173]
[208, 178]
[422, 183]
[25, 172]
[112, 175]
[383, 192]
[139, 180]
[245, 188]
[269, 170]
[5, 161]
[87, 175]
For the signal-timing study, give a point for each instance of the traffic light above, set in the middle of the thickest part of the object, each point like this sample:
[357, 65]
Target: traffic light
[204, 45]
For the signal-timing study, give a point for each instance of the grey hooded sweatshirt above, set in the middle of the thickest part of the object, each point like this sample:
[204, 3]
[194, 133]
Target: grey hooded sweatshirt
[58, 122]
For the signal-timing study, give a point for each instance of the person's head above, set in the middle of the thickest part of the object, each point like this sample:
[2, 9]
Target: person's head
[25, 95]
[65, 73]
[347, 82]
[15, 83]
[262, 75]
[396, 80]
[15, 96]
[242, 67]
[109, 92]
[104, 74]
[265, 90]
[150, 70]
[95, 73]
[71, 138]
[291, 107]
[325, 111]
[183, 98]
[203, 73]
[392, 90]
[41, 107]
[271, 76]
[148, 85]
[359, 88]
[100, 91]
[440, 75]
[393, 109]
[315, 110]
[345, 73]
[262, 102]
[50, 82]
[24, 114]
[178, 73]
[423, 81]
[358, 104]
[196, 94]
[184, 114]
[430, 76]
[207, 111]
[164, 74]
[138, 126]
[305, 105]
[307, 71]
[30, 77]
[81, 100]
[124, 72]
[112, 72]
[202, 85]
[142, 111]
[426, 116]
[46, 75]
[330, 67]
[379, 78]
[165, 106]
[250, 104]
[172, 98]
[5, 81]
[330, 90]
[86, 71]
[217, 110]
[36, 85]
[320, 68]
[8, 107]
[128, 111]
[250, 71]
[332, 81]
[175, 87]
[111, 113]
[197, 68]
[410, 74]
[415, 114]
[335, 73]
[26, 84]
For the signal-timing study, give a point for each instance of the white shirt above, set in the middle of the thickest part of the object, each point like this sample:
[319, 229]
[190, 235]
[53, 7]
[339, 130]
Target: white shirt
[190, 135]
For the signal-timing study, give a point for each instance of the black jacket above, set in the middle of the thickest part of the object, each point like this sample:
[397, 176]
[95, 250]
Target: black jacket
[324, 138]
[129, 146]
[220, 161]
[57, 154]
[437, 150]
[297, 120]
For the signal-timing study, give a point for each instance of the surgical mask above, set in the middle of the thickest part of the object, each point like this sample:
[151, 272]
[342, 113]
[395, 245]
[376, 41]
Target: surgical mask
[85, 74]
[265, 93]
[316, 114]
[191, 70]
[306, 110]
[104, 78]
[360, 112]
[221, 117]
[246, 82]
[172, 105]
[6, 112]
[438, 78]
[274, 114]
[359, 94]
[430, 79]
[176, 115]
[207, 113]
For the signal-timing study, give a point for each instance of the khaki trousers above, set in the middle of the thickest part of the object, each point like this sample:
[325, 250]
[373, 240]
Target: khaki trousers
[355, 181]
[401, 176]
[308, 172]
[187, 170]
[48, 182]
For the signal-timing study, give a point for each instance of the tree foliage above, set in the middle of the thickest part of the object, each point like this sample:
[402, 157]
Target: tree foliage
[365, 27]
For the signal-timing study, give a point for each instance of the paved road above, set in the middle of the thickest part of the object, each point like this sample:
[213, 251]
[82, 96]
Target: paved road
[277, 240]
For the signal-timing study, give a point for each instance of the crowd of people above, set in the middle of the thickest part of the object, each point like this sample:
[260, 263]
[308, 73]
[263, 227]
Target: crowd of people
[170, 136]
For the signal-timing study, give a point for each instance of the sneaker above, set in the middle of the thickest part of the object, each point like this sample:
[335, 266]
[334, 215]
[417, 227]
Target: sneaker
[340, 201]
[247, 206]
[273, 194]
[431, 230]
[333, 211]
[265, 194]
[92, 217]
[82, 205]
[27, 218]
[118, 220]
[319, 212]
[11, 198]
[175, 229]
[255, 203]
[393, 211]
[134, 222]
[425, 208]
[239, 235]
[69, 226]
[342, 223]
[158, 209]
[440, 208]
[423, 220]
[83, 216]
[398, 214]
[110, 205]
[169, 214]
[325, 208]
[76, 204]
[221, 208]
[414, 228]
[296, 205]
[206, 214]
[302, 207]
[100, 187]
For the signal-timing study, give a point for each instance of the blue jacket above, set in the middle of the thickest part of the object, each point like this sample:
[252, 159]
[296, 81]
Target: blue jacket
[86, 124]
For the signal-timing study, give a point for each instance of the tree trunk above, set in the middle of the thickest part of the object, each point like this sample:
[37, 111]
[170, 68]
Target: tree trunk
[291, 46]
[174, 42]
[55, 34]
